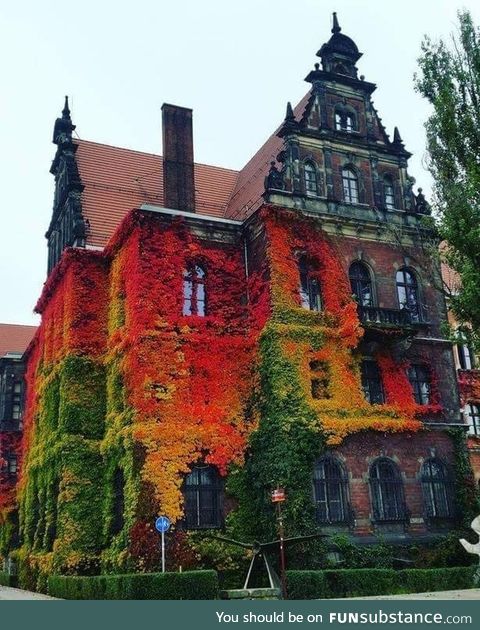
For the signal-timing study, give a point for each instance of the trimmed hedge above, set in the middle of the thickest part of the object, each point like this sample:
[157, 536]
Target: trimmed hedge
[7, 580]
[371, 582]
[187, 585]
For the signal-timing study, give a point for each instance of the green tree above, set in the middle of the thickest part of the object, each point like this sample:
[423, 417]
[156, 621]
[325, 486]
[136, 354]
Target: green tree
[449, 78]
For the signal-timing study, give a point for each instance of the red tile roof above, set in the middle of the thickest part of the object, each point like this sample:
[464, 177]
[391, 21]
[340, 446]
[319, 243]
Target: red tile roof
[247, 195]
[15, 337]
[117, 180]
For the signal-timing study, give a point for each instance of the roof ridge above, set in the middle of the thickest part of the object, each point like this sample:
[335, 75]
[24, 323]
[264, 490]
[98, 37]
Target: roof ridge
[21, 325]
[158, 155]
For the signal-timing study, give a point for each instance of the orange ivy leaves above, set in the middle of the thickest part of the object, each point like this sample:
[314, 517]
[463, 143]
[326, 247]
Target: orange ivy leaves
[290, 235]
[188, 378]
[328, 338]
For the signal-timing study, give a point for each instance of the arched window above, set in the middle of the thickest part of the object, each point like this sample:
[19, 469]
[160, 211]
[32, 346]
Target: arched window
[194, 295]
[420, 380]
[372, 383]
[350, 185]
[407, 292]
[349, 122]
[388, 193]
[118, 517]
[437, 489]
[309, 289]
[338, 121]
[203, 498]
[361, 283]
[330, 491]
[310, 179]
[386, 485]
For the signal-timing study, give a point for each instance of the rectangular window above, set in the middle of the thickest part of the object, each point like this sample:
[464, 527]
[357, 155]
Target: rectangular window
[310, 297]
[11, 465]
[17, 401]
[320, 379]
[372, 383]
[472, 417]
[465, 357]
[419, 378]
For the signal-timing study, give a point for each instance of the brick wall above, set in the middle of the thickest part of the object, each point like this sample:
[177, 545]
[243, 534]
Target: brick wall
[408, 451]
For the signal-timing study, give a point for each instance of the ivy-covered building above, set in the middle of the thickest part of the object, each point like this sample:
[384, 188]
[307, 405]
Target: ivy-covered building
[209, 334]
[14, 339]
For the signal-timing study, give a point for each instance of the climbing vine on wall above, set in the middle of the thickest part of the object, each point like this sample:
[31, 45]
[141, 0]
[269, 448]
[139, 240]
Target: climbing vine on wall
[119, 379]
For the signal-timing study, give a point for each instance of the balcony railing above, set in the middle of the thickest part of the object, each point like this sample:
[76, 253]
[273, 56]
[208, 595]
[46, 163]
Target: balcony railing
[394, 317]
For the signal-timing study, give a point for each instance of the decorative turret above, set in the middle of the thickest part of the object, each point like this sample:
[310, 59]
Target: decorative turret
[67, 226]
[340, 54]
[62, 131]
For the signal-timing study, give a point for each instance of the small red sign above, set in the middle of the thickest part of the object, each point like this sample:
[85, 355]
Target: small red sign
[278, 495]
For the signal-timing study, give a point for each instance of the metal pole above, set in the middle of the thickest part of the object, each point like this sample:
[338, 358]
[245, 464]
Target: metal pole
[163, 552]
[281, 534]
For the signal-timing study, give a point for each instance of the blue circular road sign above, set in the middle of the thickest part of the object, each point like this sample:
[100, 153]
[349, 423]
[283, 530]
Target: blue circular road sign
[162, 524]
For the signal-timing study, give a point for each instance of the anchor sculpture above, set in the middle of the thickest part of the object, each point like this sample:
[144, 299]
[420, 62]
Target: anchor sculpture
[475, 548]
[262, 550]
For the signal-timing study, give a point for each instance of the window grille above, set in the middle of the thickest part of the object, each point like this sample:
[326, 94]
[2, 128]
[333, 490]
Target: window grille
[330, 491]
[388, 499]
[437, 486]
[203, 498]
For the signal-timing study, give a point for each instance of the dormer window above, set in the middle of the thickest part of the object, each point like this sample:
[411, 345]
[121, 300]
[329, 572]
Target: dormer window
[389, 193]
[310, 179]
[345, 120]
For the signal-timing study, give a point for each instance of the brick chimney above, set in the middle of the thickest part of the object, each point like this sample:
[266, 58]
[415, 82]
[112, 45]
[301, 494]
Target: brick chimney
[178, 176]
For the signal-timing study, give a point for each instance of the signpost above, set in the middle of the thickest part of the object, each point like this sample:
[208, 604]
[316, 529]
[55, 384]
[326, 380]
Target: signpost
[162, 525]
[278, 497]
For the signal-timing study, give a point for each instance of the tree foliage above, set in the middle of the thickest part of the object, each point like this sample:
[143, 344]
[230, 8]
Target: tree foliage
[449, 79]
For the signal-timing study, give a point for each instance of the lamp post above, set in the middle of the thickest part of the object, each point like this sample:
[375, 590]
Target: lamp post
[278, 497]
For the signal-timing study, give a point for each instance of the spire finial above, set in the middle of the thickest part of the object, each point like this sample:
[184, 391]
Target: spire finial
[66, 110]
[336, 26]
[289, 114]
[397, 139]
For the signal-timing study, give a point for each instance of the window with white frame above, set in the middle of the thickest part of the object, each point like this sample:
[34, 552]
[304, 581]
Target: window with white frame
[350, 185]
[310, 179]
[472, 418]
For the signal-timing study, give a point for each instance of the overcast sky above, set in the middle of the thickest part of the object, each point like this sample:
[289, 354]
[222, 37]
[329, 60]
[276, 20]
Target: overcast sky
[235, 63]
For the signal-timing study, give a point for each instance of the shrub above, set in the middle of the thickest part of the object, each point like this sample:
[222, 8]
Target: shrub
[371, 582]
[187, 585]
[7, 580]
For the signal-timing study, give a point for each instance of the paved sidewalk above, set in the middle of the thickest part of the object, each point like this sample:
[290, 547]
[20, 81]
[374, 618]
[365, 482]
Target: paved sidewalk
[15, 593]
[471, 593]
